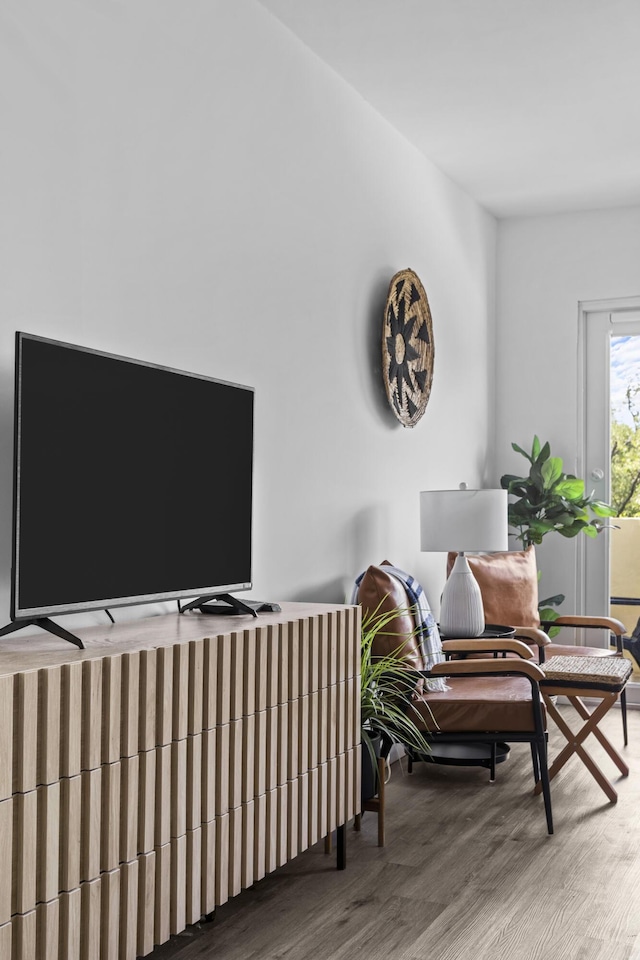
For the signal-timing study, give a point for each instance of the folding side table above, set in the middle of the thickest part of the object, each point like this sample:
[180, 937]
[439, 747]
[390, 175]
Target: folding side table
[597, 678]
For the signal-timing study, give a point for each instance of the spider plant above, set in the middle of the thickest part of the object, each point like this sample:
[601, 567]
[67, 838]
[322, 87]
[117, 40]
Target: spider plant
[387, 688]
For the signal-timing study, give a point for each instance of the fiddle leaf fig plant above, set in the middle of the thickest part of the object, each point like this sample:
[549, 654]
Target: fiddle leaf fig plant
[549, 500]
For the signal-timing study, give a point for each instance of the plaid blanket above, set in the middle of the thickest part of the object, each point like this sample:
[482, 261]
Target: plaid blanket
[426, 626]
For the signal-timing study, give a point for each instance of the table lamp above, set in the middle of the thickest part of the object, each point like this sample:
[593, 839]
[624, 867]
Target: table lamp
[471, 520]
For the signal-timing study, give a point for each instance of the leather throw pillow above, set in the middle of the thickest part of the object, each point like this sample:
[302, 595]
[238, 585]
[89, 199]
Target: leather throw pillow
[509, 586]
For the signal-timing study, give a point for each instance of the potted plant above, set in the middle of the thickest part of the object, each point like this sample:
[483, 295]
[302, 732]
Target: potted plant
[387, 686]
[548, 500]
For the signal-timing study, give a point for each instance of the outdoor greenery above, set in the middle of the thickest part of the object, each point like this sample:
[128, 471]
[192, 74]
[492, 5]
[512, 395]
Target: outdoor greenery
[625, 458]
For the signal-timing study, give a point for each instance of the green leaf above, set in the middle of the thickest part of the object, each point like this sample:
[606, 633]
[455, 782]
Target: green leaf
[546, 614]
[602, 509]
[535, 449]
[591, 531]
[552, 602]
[541, 526]
[551, 471]
[507, 479]
[578, 511]
[573, 530]
[522, 509]
[570, 488]
[514, 446]
[561, 518]
[537, 478]
[521, 489]
[544, 454]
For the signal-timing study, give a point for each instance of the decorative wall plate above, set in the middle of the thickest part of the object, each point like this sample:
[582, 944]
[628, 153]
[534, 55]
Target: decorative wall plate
[407, 348]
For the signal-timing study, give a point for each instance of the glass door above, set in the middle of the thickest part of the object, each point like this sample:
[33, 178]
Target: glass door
[610, 418]
[624, 543]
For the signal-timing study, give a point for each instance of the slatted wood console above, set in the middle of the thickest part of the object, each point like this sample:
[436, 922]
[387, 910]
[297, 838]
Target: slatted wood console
[172, 763]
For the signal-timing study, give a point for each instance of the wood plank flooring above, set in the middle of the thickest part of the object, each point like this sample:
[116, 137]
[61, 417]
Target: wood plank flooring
[468, 873]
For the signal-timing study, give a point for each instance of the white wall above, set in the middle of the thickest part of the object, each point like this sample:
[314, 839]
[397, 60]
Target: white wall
[187, 184]
[547, 265]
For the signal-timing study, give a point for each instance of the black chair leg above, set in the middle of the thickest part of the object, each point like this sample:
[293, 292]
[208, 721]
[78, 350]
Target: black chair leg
[494, 750]
[536, 765]
[623, 711]
[631, 645]
[546, 791]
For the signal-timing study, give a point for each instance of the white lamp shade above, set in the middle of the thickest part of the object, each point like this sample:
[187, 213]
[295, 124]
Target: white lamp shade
[463, 520]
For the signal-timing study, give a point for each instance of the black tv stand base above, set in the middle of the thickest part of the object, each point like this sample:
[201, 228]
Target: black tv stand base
[220, 603]
[46, 624]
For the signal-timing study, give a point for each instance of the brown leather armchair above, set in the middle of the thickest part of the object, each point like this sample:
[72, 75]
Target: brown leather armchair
[509, 586]
[486, 701]
[492, 700]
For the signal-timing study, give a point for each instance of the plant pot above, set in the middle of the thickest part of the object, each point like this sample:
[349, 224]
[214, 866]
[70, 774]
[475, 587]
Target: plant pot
[369, 779]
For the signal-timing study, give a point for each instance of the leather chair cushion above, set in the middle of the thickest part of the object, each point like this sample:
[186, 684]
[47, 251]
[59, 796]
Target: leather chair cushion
[509, 586]
[479, 704]
[380, 591]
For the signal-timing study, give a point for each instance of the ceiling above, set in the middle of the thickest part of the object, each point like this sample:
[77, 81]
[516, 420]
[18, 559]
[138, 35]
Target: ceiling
[531, 106]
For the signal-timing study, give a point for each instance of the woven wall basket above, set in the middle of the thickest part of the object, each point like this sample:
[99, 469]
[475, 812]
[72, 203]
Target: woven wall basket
[407, 348]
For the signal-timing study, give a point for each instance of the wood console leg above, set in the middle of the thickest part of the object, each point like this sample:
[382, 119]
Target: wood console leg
[381, 800]
[341, 846]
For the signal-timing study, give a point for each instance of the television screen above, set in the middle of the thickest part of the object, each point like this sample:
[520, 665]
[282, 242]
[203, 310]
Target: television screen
[133, 482]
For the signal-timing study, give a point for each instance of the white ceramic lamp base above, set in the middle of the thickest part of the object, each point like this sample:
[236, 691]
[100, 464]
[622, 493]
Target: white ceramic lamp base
[461, 610]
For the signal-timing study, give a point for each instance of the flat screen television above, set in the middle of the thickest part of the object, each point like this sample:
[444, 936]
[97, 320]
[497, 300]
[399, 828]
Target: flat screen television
[132, 482]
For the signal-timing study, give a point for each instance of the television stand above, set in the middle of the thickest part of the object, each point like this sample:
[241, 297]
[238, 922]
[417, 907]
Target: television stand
[45, 624]
[222, 603]
[148, 780]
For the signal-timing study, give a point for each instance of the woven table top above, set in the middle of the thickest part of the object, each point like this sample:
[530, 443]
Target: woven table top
[595, 671]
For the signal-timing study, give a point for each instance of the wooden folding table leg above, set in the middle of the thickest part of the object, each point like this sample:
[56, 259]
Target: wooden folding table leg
[574, 745]
[584, 712]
